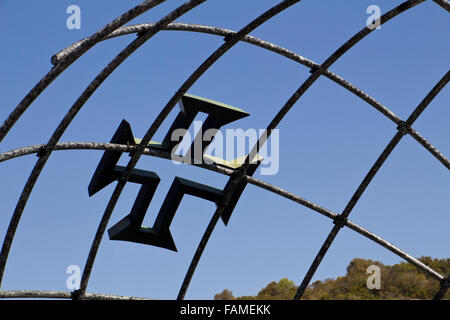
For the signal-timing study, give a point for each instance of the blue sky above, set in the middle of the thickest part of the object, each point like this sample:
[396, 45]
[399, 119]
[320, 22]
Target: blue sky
[328, 142]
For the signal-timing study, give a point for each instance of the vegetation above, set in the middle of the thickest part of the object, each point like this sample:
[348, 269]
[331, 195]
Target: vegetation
[400, 281]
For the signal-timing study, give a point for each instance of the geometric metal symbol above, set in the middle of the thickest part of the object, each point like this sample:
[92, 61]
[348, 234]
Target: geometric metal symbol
[69, 55]
[130, 229]
[219, 114]
[105, 172]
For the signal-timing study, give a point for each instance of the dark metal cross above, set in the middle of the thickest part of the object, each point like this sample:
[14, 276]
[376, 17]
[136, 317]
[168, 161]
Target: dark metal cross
[130, 227]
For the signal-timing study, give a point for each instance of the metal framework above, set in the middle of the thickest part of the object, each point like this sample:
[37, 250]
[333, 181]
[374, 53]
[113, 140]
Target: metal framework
[238, 178]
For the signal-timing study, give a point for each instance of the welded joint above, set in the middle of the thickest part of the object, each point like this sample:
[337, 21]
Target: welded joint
[130, 150]
[317, 68]
[42, 152]
[228, 37]
[141, 33]
[123, 178]
[403, 128]
[236, 178]
[340, 221]
[75, 295]
[445, 283]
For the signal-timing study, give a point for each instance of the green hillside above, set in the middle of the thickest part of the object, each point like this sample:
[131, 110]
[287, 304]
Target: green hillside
[400, 281]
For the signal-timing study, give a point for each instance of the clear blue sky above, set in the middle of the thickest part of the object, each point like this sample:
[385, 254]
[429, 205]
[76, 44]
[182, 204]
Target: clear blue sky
[329, 141]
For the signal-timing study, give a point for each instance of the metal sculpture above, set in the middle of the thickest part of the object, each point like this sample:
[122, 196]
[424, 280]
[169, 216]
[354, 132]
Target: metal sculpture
[130, 229]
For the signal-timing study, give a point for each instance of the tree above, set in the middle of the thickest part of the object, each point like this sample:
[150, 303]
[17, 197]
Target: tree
[400, 281]
[282, 290]
[224, 295]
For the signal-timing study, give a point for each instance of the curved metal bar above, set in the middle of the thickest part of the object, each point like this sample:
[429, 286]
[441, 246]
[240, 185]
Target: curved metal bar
[63, 64]
[119, 187]
[174, 26]
[316, 73]
[340, 220]
[229, 43]
[415, 262]
[281, 51]
[322, 71]
[45, 154]
[444, 4]
[42, 294]
[297, 95]
[330, 214]
[397, 120]
[20, 152]
[24, 151]
[445, 284]
[427, 145]
[256, 182]
[198, 28]
[239, 175]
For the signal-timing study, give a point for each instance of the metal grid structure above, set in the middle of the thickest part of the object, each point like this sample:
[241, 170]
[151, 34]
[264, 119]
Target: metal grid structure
[239, 177]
